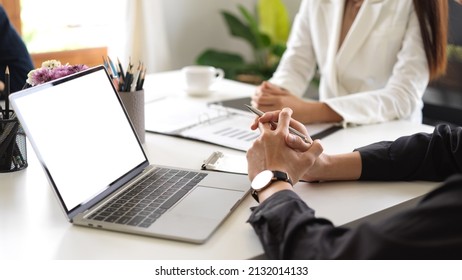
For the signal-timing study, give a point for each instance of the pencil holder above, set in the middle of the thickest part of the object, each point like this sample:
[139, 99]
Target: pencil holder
[13, 154]
[134, 105]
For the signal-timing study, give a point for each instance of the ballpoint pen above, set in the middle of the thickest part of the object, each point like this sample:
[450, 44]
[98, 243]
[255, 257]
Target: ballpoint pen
[274, 124]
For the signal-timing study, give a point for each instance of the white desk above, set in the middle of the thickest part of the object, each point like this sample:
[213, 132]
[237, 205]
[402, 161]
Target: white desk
[33, 227]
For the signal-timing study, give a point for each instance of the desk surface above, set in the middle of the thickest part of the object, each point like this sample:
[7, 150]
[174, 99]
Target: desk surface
[33, 227]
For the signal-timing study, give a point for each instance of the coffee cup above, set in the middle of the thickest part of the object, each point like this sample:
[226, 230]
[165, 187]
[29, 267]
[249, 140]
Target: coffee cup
[199, 79]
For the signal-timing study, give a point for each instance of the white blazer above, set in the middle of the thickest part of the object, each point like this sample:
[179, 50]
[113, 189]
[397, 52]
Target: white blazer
[380, 72]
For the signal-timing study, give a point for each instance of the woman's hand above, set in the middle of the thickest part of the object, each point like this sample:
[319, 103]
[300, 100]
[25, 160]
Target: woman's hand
[270, 97]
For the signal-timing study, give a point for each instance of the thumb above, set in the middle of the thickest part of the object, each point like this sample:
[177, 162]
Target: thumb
[297, 143]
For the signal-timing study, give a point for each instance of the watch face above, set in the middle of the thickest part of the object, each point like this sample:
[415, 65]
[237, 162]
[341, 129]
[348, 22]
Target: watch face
[262, 179]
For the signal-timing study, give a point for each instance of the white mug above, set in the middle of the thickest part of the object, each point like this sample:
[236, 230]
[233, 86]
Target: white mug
[199, 79]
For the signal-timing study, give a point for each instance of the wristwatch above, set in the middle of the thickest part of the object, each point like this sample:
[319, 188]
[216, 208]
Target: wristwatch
[265, 178]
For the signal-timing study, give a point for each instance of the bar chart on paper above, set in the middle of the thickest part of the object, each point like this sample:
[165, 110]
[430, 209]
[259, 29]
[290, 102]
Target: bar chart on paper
[213, 124]
[198, 121]
[232, 131]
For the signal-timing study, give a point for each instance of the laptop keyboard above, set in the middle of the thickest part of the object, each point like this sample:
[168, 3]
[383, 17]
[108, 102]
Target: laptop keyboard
[142, 204]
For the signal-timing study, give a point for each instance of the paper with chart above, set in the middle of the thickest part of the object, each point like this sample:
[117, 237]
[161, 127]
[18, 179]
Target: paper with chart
[232, 131]
[170, 115]
[213, 124]
[196, 120]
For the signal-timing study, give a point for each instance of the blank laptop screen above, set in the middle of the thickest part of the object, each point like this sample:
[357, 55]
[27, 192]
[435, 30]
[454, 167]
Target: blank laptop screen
[82, 135]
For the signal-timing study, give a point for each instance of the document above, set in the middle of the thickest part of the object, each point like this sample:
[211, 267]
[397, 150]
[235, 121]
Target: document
[212, 123]
[316, 131]
[200, 121]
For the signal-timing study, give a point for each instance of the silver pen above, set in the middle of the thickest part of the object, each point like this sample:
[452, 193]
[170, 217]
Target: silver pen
[291, 130]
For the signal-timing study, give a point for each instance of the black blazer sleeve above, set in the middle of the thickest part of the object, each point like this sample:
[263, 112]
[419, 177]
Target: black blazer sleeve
[289, 229]
[422, 156]
[13, 53]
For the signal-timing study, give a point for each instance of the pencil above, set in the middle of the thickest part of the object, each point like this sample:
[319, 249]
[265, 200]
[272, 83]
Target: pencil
[135, 78]
[291, 130]
[6, 114]
[121, 69]
[139, 84]
[114, 70]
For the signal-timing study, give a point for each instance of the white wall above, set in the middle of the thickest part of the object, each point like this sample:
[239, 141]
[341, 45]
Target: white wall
[195, 25]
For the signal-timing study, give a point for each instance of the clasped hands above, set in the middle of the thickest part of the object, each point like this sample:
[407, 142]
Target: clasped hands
[277, 149]
[270, 97]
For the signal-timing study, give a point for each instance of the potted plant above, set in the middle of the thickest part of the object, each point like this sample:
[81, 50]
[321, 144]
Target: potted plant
[266, 31]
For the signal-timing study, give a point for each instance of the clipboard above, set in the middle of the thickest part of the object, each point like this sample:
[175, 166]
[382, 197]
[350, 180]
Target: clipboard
[219, 161]
[316, 130]
[214, 123]
[199, 121]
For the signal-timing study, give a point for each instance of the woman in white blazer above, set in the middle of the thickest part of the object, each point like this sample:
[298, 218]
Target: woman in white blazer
[374, 60]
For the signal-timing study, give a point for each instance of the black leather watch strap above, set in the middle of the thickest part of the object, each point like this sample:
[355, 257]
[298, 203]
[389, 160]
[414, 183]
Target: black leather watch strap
[281, 176]
[277, 176]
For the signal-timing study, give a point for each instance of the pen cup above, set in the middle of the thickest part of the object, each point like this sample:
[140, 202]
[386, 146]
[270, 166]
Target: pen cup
[13, 154]
[133, 102]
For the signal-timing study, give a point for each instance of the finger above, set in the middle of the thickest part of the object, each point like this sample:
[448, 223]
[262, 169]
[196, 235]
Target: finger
[275, 86]
[271, 116]
[268, 87]
[297, 143]
[266, 98]
[254, 125]
[265, 85]
[264, 102]
[255, 97]
[316, 148]
[284, 120]
[275, 89]
[298, 126]
[264, 127]
[259, 89]
[253, 102]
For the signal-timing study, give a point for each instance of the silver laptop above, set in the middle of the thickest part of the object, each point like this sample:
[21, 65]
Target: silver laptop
[99, 171]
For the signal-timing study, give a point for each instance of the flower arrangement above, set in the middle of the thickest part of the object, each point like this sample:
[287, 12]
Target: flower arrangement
[51, 70]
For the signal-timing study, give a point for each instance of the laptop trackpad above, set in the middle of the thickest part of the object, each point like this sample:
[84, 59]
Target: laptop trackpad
[198, 214]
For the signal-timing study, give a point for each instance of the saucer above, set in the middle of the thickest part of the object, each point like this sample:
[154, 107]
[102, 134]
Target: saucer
[198, 92]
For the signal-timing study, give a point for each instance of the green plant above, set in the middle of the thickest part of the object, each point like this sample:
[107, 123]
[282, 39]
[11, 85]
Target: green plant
[454, 52]
[266, 31]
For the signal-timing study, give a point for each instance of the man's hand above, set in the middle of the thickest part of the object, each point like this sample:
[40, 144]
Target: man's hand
[270, 150]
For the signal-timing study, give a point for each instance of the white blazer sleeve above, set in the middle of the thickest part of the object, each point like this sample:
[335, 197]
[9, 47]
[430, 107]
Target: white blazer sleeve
[298, 64]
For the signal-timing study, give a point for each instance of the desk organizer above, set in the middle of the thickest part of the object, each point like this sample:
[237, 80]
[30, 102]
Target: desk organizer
[13, 154]
[133, 102]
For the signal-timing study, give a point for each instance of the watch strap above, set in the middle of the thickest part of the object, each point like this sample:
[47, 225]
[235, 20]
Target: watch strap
[277, 176]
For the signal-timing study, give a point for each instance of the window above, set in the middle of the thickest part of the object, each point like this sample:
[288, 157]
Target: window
[56, 25]
[77, 32]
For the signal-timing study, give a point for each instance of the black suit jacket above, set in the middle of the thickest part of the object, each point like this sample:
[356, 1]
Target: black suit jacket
[13, 53]
[289, 229]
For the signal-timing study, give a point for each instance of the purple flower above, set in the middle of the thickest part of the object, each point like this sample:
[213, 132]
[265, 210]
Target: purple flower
[52, 70]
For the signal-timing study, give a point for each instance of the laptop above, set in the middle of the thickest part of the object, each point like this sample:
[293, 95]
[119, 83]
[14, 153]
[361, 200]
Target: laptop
[100, 173]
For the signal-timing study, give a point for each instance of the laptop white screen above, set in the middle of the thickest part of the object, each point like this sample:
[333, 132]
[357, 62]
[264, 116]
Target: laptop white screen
[82, 135]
